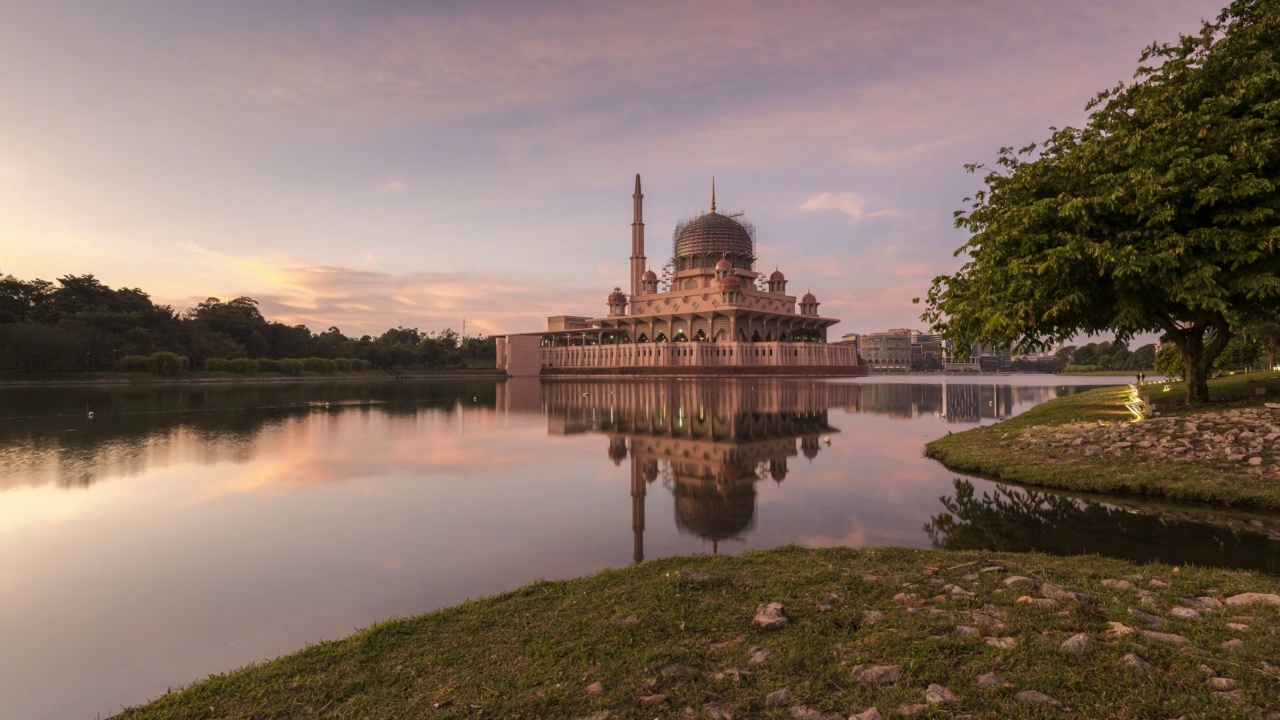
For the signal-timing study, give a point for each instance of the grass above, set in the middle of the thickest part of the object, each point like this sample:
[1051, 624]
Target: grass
[534, 652]
[995, 451]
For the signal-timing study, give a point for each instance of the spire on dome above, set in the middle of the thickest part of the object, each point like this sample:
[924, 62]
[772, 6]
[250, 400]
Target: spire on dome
[637, 184]
[713, 193]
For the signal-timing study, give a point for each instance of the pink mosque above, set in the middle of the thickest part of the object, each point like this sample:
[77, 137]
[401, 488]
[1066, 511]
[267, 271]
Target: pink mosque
[713, 314]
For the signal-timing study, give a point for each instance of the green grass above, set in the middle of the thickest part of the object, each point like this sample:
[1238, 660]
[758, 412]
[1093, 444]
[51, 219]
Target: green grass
[995, 451]
[533, 652]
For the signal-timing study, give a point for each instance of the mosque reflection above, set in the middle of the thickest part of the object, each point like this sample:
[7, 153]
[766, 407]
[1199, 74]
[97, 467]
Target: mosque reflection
[708, 442]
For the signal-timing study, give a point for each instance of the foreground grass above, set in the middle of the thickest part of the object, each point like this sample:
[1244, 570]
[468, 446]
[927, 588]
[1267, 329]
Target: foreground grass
[668, 639]
[997, 451]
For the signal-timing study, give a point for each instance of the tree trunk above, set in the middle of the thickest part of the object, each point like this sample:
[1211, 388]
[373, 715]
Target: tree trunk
[1198, 356]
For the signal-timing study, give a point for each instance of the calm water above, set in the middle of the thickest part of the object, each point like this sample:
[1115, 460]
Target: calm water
[189, 530]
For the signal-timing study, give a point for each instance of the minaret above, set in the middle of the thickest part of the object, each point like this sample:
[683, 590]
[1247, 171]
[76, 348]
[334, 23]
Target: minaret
[637, 240]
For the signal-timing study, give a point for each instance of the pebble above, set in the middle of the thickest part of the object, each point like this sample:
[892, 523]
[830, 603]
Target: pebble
[1137, 663]
[626, 620]
[1117, 584]
[1251, 598]
[1076, 644]
[868, 714]
[877, 674]
[595, 689]
[1019, 581]
[804, 712]
[986, 620]
[992, 568]
[1185, 613]
[1119, 629]
[1233, 696]
[770, 617]
[1153, 582]
[871, 617]
[653, 700]
[967, 631]
[733, 674]
[1057, 592]
[823, 607]
[937, 694]
[1042, 602]
[761, 655]
[1237, 627]
[911, 709]
[991, 679]
[1035, 696]
[910, 598]
[1148, 618]
[1162, 637]
[1002, 643]
[779, 698]
[1221, 683]
[715, 712]
[1232, 644]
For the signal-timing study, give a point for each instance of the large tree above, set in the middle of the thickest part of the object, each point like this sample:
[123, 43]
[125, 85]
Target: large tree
[1159, 215]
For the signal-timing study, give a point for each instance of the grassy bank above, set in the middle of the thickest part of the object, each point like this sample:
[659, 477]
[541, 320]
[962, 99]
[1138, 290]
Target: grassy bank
[1015, 450]
[675, 638]
[144, 378]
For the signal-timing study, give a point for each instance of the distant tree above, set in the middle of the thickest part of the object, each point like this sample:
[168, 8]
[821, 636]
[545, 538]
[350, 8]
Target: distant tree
[1161, 214]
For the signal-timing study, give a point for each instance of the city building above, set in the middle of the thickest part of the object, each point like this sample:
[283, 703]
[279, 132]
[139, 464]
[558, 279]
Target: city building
[903, 350]
[712, 313]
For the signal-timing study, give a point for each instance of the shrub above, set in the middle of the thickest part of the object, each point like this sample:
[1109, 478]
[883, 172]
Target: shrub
[167, 363]
[358, 364]
[320, 365]
[243, 365]
[132, 363]
[216, 365]
[269, 365]
[1082, 368]
[291, 366]
[342, 364]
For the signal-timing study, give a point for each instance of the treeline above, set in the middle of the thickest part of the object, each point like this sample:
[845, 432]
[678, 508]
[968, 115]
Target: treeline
[1105, 356]
[78, 324]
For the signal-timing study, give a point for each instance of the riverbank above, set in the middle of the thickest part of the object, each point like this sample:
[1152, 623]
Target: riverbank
[1225, 453]
[227, 378]
[904, 632]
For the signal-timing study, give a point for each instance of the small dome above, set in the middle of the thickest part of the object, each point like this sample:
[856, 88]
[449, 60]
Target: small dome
[777, 276]
[808, 299]
[724, 264]
[649, 276]
[617, 296]
[730, 282]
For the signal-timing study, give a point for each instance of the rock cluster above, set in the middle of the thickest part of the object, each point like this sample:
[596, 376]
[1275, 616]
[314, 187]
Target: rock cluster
[1248, 438]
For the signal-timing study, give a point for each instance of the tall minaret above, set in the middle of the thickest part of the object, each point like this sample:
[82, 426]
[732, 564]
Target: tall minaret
[637, 239]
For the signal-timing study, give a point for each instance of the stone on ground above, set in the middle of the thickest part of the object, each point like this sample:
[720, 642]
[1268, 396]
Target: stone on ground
[911, 709]
[770, 617]
[1076, 644]
[1057, 592]
[653, 700]
[1151, 620]
[804, 712]
[967, 631]
[1003, 643]
[1221, 683]
[1238, 627]
[626, 620]
[989, 680]
[595, 689]
[1162, 637]
[1233, 696]
[868, 714]
[1018, 581]
[871, 617]
[877, 674]
[1119, 629]
[1232, 644]
[761, 655]
[936, 694]
[1035, 696]
[1252, 598]
[1111, 584]
[1137, 663]
[778, 698]
[1185, 613]
[715, 712]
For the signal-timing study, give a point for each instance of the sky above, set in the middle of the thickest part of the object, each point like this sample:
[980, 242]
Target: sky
[378, 164]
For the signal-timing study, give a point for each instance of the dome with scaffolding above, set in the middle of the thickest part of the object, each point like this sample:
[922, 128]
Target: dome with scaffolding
[714, 236]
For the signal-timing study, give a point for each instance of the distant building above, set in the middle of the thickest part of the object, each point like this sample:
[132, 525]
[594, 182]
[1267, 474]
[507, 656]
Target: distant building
[904, 349]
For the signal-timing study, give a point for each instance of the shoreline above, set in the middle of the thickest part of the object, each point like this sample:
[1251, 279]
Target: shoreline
[1221, 454]
[232, 379]
[819, 634]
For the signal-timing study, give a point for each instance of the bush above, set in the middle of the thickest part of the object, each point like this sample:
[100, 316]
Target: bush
[132, 363]
[215, 365]
[167, 363]
[243, 365]
[291, 366]
[269, 365]
[357, 364]
[1082, 368]
[342, 364]
[319, 365]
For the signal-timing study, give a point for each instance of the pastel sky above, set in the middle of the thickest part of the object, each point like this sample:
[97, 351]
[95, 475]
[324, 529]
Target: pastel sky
[375, 164]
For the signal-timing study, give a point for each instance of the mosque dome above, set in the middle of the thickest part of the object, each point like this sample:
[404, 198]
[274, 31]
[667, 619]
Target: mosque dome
[649, 276]
[724, 264]
[710, 514]
[730, 282]
[617, 296]
[808, 299]
[714, 234]
[777, 276]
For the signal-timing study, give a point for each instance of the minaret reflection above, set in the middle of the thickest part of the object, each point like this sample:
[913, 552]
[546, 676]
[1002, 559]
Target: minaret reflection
[709, 442]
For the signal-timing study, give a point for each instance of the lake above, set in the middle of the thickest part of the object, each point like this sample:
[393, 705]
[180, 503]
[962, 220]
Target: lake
[191, 529]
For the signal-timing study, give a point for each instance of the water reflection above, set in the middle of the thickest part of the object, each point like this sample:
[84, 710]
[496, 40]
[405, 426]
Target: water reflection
[1017, 519]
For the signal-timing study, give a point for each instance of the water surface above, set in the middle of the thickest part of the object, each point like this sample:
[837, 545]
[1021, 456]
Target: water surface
[187, 530]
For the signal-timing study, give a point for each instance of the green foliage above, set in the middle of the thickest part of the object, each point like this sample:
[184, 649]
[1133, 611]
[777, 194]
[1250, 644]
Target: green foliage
[290, 366]
[319, 365]
[132, 363]
[1161, 214]
[167, 363]
[243, 366]
[1083, 368]
[1169, 361]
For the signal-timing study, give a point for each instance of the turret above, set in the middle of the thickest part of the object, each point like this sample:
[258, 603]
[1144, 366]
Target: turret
[637, 239]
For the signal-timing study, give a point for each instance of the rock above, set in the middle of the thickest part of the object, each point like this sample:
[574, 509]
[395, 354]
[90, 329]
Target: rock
[1035, 696]
[911, 709]
[653, 700]
[1002, 643]
[956, 591]
[1148, 618]
[986, 620]
[823, 607]
[1042, 602]
[1057, 592]
[992, 568]
[733, 674]
[1221, 683]
[967, 631]
[1251, 598]
[1119, 629]
[871, 617]
[1137, 663]
[1238, 627]
[937, 694]
[909, 598]
[770, 617]
[1076, 644]
[1255, 461]
[715, 712]
[778, 698]
[595, 689]
[1162, 637]
[804, 712]
[1017, 581]
[1232, 644]
[626, 620]
[868, 714]
[877, 674]
[761, 655]
[1232, 696]
[693, 575]
[989, 680]
[1117, 584]
[1153, 582]
[1185, 613]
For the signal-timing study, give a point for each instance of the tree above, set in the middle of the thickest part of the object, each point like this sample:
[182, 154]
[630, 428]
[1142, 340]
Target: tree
[1160, 215]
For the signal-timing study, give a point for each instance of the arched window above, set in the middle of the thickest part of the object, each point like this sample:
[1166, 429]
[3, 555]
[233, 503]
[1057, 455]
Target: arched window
[701, 336]
[660, 337]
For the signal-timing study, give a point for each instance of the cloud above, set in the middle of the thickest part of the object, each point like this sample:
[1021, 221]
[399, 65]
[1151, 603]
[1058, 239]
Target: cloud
[851, 204]
[393, 186]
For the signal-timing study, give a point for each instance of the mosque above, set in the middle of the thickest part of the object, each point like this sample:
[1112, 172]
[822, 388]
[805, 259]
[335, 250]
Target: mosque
[711, 313]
